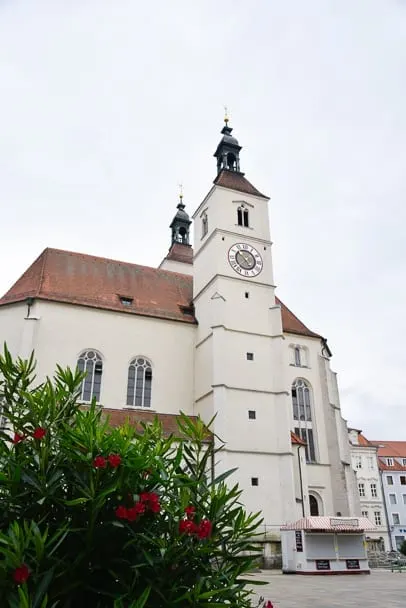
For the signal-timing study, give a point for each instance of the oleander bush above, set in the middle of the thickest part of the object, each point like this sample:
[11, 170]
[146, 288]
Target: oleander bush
[103, 517]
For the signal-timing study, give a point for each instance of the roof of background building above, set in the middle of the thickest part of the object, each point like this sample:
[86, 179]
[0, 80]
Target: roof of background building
[396, 449]
[86, 280]
[364, 442]
[386, 467]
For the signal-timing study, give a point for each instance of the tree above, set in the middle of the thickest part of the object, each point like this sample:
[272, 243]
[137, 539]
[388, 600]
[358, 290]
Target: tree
[97, 516]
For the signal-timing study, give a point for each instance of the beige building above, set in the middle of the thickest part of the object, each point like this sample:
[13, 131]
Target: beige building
[365, 464]
[204, 333]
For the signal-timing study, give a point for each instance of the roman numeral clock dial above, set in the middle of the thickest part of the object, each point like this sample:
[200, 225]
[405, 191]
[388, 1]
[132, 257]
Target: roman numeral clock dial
[245, 260]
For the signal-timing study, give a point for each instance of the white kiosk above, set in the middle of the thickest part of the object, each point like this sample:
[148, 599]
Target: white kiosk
[325, 545]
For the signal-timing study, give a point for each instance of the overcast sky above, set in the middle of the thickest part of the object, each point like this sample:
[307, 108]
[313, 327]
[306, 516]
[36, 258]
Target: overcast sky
[106, 105]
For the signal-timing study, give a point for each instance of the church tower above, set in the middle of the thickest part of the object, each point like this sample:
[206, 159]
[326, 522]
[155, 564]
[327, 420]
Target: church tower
[239, 363]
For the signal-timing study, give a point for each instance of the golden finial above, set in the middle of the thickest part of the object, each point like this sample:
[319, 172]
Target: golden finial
[226, 119]
[180, 192]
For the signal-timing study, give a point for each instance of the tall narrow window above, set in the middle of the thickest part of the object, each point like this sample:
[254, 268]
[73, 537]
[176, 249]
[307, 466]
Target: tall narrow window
[302, 413]
[91, 363]
[139, 383]
[243, 217]
[358, 462]
[314, 506]
[205, 224]
[361, 489]
[297, 356]
[374, 490]
[378, 518]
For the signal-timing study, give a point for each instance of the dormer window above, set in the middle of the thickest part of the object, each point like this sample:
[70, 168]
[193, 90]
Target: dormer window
[126, 300]
[389, 462]
[243, 216]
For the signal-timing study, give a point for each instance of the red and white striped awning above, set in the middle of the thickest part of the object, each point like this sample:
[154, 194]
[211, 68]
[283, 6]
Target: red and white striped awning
[331, 524]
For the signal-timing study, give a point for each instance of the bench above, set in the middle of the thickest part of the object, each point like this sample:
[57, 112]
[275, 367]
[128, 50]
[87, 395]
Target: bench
[398, 567]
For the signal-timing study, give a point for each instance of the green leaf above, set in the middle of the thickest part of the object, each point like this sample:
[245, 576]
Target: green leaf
[76, 501]
[41, 589]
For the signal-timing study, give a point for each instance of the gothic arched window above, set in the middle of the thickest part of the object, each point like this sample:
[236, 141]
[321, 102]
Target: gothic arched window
[91, 363]
[139, 382]
[302, 415]
[314, 505]
[243, 217]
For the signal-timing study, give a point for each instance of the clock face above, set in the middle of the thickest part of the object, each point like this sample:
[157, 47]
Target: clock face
[245, 260]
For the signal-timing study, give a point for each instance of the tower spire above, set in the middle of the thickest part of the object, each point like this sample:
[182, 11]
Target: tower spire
[180, 225]
[228, 150]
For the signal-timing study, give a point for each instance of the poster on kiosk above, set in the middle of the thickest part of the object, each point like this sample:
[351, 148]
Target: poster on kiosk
[325, 545]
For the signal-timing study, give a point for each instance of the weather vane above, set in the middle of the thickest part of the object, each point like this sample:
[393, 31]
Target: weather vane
[226, 119]
[180, 192]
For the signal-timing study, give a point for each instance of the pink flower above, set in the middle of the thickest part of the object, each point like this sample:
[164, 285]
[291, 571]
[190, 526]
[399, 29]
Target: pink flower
[99, 462]
[269, 604]
[18, 437]
[186, 526]
[132, 514]
[39, 433]
[139, 508]
[204, 528]
[155, 507]
[151, 501]
[149, 497]
[190, 512]
[114, 460]
[121, 512]
[21, 574]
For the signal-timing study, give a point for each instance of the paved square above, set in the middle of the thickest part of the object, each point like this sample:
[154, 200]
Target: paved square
[380, 589]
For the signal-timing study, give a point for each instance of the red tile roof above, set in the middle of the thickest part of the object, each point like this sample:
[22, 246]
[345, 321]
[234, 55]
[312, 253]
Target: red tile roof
[180, 253]
[396, 449]
[236, 181]
[77, 278]
[118, 417]
[169, 421]
[293, 325]
[296, 440]
[363, 441]
[385, 467]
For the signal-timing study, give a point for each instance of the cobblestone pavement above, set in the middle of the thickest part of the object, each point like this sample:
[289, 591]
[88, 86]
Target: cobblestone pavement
[380, 589]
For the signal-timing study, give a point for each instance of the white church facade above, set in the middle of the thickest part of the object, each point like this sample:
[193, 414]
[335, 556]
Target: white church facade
[204, 334]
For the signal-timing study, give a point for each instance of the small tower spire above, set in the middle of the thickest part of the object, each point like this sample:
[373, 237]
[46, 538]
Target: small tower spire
[228, 150]
[180, 225]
